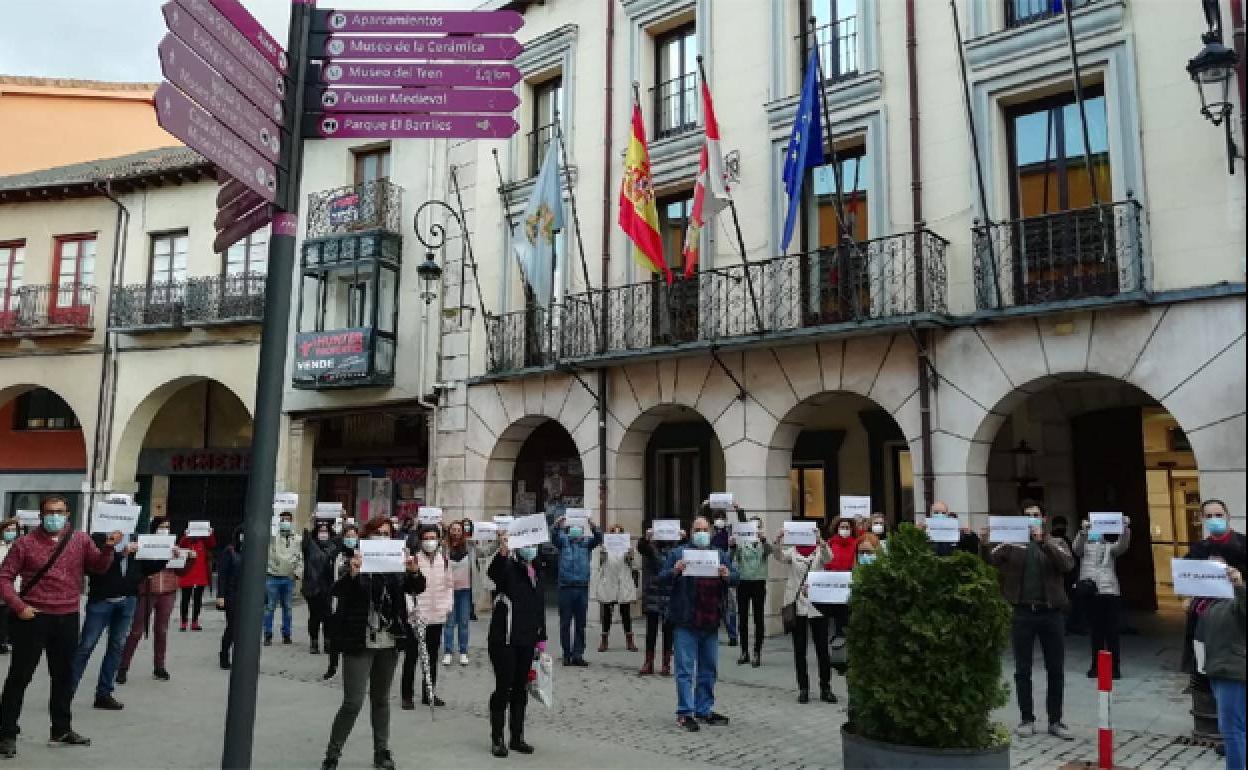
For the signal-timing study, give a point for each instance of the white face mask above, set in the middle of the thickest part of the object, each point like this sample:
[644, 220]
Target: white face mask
[877, 529]
[429, 546]
[844, 532]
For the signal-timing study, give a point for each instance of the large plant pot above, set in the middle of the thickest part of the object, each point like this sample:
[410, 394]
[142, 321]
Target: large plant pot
[860, 753]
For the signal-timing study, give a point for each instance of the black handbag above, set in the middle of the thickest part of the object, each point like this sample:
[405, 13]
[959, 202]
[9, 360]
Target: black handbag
[1086, 588]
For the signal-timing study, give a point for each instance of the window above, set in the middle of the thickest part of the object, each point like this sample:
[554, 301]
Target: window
[675, 82]
[168, 264]
[674, 214]
[372, 164]
[855, 181]
[676, 306]
[41, 409]
[836, 36]
[806, 491]
[74, 269]
[1019, 12]
[250, 255]
[12, 255]
[1047, 166]
[547, 100]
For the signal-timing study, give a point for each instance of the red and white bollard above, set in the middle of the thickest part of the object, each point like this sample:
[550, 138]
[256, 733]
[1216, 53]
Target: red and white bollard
[1105, 733]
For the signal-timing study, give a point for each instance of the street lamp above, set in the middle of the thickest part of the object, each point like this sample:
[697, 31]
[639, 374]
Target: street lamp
[430, 272]
[1212, 70]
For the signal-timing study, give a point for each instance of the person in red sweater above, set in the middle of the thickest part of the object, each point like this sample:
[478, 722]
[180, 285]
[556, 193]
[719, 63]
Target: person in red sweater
[843, 544]
[195, 576]
[50, 562]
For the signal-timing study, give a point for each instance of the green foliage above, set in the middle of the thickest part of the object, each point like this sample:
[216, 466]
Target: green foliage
[925, 647]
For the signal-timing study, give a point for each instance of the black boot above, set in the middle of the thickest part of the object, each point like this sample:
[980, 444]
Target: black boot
[825, 694]
[314, 647]
[745, 657]
[225, 660]
[517, 730]
[758, 656]
[382, 760]
[803, 696]
[497, 747]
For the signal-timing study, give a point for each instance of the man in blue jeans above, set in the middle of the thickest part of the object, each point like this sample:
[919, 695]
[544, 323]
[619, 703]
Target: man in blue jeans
[111, 600]
[574, 550]
[285, 562]
[694, 611]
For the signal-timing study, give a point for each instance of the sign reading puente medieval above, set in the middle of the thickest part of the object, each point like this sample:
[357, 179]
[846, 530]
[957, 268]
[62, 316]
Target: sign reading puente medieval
[413, 74]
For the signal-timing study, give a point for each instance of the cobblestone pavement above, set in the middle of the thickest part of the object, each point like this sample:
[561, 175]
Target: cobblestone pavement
[604, 716]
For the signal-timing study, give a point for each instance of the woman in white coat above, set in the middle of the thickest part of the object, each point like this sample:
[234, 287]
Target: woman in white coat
[799, 560]
[611, 582]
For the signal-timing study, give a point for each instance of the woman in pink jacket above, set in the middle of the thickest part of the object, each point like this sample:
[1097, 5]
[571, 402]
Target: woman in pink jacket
[433, 606]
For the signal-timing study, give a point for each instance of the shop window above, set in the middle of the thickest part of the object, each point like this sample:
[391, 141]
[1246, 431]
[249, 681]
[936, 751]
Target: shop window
[676, 81]
[41, 409]
[547, 100]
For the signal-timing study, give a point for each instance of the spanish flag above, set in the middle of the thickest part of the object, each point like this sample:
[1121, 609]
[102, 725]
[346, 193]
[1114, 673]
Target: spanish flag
[639, 216]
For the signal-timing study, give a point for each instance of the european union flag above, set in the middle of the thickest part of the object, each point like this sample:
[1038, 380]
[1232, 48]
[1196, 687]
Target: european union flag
[805, 148]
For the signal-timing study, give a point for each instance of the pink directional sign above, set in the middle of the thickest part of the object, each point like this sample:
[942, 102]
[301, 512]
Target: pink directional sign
[214, 53]
[409, 126]
[235, 209]
[360, 74]
[452, 48]
[429, 22]
[255, 34]
[242, 227]
[202, 83]
[414, 100]
[203, 133]
[231, 188]
[234, 41]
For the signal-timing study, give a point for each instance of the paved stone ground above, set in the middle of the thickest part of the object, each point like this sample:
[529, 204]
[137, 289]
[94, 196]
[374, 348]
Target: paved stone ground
[605, 716]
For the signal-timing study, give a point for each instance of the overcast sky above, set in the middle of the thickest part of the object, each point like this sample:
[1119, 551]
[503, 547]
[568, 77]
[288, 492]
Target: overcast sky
[116, 39]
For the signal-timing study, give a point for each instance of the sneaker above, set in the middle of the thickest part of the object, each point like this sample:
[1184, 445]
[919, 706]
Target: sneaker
[8, 748]
[108, 703]
[287, 640]
[580, 662]
[195, 626]
[68, 738]
[182, 626]
[161, 674]
[382, 760]
[463, 659]
[1025, 728]
[446, 659]
[268, 639]
[714, 719]
[1059, 730]
[689, 723]
[121, 676]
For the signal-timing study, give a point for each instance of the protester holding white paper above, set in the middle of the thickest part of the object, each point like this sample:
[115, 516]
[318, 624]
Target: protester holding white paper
[611, 583]
[1098, 583]
[460, 552]
[968, 541]
[319, 549]
[575, 545]
[157, 593]
[800, 615]
[371, 626]
[196, 576]
[655, 596]
[517, 634]
[750, 559]
[1221, 630]
[284, 564]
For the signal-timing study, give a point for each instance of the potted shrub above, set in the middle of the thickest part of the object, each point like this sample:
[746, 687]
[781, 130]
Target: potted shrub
[925, 652]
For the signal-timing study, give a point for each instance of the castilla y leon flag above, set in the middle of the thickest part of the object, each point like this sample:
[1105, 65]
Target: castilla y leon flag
[710, 179]
[639, 215]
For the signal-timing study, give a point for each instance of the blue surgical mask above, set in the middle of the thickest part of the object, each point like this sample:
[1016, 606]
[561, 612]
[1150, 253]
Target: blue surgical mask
[1094, 537]
[10, 535]
[284, 526]
[120, 546]
[575, 531]
[54, 522]
[1035, 521]
[701, 539]
[350, 542]
[866, 558]
[528, 552]
[1215, 526]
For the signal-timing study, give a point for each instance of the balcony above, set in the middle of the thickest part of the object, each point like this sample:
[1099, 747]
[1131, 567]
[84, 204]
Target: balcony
[675, 106]
[885, 282]
[838, 49]
[224, 300]
[143, 307]
[343, 358]
[1081, 257]
[1019, 13]
[376, 205]
[538, 140]
[48, 311]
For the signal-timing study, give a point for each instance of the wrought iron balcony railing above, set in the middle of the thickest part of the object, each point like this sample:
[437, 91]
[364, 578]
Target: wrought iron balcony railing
[67, 308]
[675, 105]
[376, 205]
[224, 299]
[1071, 255]
[148, 307]
[879, 281]
[1021, 12]
[539, 139]
[838, 49]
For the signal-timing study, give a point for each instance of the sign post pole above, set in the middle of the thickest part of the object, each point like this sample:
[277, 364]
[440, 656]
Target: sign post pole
[240, 713]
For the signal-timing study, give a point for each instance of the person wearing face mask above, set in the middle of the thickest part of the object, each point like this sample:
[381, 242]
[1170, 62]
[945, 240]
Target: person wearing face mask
[967, 540]
[1032, 580]
[370, 627]
[750, 559]
[284, 563]
[459, 551]
[1098, 556]
[433, 606]
[655, 596]
[50, 562]
[319, 550]
[721, 540]
[342, 567]
[474, 579]
[193, 578]
[867, 550]
[9, 534]
[610, 583]
[843, 545]
[157, 593]
[575, 545]
[228, 573]
[694, 611]
[1221, 630]
[799, 561]
[879, 528]
[517, 632]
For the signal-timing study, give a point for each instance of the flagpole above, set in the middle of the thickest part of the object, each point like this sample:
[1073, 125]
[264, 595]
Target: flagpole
[529, 300]
[843, 226]
[736, 223]
[576, 219]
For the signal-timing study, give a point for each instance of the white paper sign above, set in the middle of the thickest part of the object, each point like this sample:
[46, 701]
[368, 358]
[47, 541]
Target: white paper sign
[1198, 577]
[503, 522]
[382, 556]
[855, 507]
[617, 543]
[666, 529]
[155, 547]
[745, 531]
[285, 501]
[429, 515]
[701, 562]
[485, 531]
[943, 530]
[114, 517]
[721, 501]
[828, 587]
[1008, 529]
[577, 517]
[198, 528]
[179, 561]
[28, 518]
[119, 497]
[329, 510]
[799, 533]
[1106, 523]
[527, 530]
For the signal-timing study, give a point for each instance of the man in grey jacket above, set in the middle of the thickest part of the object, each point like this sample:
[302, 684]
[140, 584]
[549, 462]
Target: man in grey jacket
[285, 563]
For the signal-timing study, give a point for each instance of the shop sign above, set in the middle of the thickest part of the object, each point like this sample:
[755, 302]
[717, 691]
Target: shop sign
[172, 462]
[332, 355]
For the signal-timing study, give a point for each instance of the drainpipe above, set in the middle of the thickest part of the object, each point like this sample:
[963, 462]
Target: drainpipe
[106, 406]
[1237, 34]
[604, 277]
[923, 337]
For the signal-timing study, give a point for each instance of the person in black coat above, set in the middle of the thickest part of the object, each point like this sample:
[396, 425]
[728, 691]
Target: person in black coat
[517, 627]
[319, 550]
[370, 627]
[229, 572]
